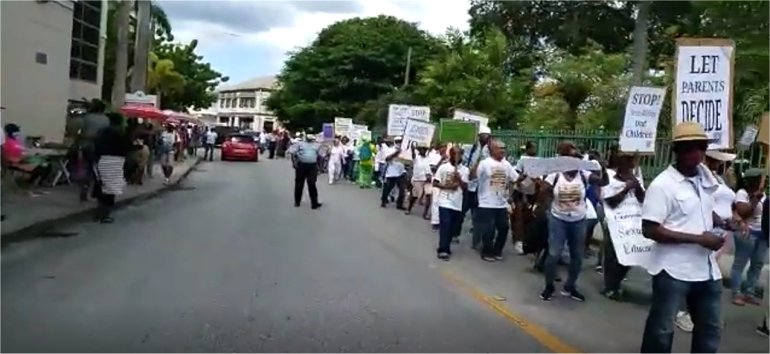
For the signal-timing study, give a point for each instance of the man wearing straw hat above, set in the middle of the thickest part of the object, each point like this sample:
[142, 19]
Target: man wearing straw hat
[677, 214]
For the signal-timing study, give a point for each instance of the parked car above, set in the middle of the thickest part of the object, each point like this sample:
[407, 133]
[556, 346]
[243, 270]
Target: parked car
[239, 147]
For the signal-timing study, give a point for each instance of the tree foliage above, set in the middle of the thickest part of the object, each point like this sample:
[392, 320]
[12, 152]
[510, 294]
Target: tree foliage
[350, 63]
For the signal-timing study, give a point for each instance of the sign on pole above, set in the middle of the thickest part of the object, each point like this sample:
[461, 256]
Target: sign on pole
[355, 131]
[417, 133]
[471, 117]
[343, 126]
[398, 114]
[704, 87]
[327, 130]
[640, 124]
[458, 131]
[748, 137]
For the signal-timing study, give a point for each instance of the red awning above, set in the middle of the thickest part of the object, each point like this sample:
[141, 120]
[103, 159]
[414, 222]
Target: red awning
[143, 111]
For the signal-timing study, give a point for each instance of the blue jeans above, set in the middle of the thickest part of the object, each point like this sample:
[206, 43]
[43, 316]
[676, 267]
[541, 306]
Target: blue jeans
[559, 233]
[703, 304]
[752, 250]
[448, 221]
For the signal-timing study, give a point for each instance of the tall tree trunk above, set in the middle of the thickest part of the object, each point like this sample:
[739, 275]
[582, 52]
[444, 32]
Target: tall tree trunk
[142, 43]
[121, 53]
[640, 41]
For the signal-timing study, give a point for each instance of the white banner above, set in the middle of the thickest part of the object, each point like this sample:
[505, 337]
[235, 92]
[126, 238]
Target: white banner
[541, 166]
[703, 91]
[398, 114]
[625, 226]
[471, 117]
[640, 124]
[417, 133]
[355, 131]
[343, 126]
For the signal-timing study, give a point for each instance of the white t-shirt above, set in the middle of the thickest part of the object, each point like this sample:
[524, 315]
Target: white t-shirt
[336, 153]
[434, 157]
[755, 222]
[446, 198]
[169, 138]
[421, 169]
[527, 186]
[569, 197]
[723, 200]
[211, 137]
[615, 186]
[493, 177]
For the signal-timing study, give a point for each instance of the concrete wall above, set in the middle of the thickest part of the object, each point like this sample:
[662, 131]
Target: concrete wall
[36, 95]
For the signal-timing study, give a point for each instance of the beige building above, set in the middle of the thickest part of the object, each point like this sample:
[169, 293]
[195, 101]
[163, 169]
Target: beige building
[243, 105]
[52, 54]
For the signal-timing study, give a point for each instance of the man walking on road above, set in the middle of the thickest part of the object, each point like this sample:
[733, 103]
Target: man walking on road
[210, 142]
[305, 155]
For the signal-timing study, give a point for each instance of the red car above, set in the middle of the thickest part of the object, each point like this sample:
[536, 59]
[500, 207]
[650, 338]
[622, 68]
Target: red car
[239, 147]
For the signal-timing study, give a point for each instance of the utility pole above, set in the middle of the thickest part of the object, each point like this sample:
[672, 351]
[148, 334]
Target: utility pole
[640, 41]
[408, 66]
[142, 42]
[121, 53]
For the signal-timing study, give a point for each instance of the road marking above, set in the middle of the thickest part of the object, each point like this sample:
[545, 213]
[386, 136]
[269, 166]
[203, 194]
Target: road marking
[540, 334]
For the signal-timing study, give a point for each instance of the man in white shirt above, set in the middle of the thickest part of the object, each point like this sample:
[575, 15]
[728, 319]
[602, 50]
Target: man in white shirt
[395, 174]
[677, 215]
[473, 155]
[421, 180]
[450, 181]
[494, 175]
[211, 139]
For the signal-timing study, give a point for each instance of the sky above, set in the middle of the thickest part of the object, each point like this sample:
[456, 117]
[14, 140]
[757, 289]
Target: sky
[250, 38]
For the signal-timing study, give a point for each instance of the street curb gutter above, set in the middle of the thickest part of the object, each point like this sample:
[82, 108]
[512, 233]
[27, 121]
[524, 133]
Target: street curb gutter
[37, 229]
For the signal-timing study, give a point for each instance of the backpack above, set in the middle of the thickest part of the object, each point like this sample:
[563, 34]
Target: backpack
[365, 152]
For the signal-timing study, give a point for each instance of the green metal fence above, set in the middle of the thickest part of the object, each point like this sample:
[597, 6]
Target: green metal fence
[601, 140]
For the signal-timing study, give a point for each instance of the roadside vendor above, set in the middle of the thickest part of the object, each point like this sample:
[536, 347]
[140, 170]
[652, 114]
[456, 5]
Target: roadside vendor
[14, 157]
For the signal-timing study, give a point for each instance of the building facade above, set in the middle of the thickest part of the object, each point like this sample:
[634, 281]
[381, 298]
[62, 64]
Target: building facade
[243, 105]
[52, 55]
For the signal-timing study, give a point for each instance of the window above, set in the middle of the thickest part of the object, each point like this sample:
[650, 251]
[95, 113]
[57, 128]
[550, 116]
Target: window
[221, 103]
[84, 54]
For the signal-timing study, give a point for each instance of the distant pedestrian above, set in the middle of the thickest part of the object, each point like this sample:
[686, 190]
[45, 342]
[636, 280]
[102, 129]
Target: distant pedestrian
[366, 153]
[210, 142]
[168, 140]
[305, 156]
[394, 176]
[111, 147]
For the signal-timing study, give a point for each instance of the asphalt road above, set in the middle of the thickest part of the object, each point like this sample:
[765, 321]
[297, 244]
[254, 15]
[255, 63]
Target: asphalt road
[227, 264]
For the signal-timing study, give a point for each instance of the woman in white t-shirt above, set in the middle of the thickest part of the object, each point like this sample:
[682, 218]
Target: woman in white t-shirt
[750, 247]
[168, 140]
[421, 180]
[450, 182]
[336, 155]
[566, 223]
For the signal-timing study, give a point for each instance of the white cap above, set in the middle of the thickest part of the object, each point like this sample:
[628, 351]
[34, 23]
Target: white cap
[310, 137]
[484, 130]
[398, 138]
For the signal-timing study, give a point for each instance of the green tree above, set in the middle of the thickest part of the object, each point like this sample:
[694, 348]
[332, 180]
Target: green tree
[200, 79]
[350, 63]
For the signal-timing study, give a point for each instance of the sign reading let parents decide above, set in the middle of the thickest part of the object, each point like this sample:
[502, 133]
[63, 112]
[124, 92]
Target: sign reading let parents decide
[398, 114]
[704, 87]
[417, 133]
[640, 124]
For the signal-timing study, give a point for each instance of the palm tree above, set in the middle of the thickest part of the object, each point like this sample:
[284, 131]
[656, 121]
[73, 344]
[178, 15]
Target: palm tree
[122, 17]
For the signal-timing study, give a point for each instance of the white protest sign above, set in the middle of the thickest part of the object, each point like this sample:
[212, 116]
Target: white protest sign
[704, 87]
[355, 131]
[471, 117]
[748, 137]
[640, 124]
[343, 126]
[365, 135]
[625, 226]
[398, 114]
[541, 166]
[417, 133]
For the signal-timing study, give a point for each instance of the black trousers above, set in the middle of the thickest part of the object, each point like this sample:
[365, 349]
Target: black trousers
[614, 272]
[271, 148]
[305, 173]
[393, 182]
[106, 202]
[208, 152]
[493, 227]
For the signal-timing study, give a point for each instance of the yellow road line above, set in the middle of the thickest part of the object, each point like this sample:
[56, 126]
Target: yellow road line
[540, 334]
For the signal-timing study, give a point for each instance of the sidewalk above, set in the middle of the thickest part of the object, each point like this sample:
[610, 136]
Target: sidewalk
[25, 214]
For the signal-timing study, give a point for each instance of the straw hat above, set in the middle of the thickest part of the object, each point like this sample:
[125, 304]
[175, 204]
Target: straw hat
[689, 131]
[720, 156]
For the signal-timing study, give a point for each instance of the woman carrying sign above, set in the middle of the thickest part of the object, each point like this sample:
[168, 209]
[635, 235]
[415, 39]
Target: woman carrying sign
[623, 186]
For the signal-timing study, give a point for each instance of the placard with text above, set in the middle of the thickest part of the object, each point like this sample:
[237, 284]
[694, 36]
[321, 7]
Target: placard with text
[398, 114]
[704, 87]
[640, 124]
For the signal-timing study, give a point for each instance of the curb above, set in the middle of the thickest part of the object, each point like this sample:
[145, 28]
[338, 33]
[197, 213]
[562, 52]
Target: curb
[35, 230]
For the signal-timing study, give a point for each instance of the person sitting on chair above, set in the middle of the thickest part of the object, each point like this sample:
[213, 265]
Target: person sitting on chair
[14, 159]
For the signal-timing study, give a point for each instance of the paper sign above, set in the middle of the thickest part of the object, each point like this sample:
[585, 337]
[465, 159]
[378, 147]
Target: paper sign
[471, 117]
[365, 135]
[417, 133]
[625, 226]
[748, 137]
[458, 131]
[541, 166]
[355, 131]
[328, 131]
[703, 91]
[343, 126]
[398, 114]
[640, 124]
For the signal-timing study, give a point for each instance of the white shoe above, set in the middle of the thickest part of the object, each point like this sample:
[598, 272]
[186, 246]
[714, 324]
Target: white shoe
[519, 247]
[683, 321]
[166, 181]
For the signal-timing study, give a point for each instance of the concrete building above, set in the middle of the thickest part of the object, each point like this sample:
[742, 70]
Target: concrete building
[52, 57]
[243, 105]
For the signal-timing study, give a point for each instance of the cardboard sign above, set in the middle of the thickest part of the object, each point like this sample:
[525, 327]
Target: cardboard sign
[417, 133]
[704, 87]
[327, 130]
[458, 131]
[625, 226]
[640, 125]
[343, 126]
[398, 114]
[471, 117]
